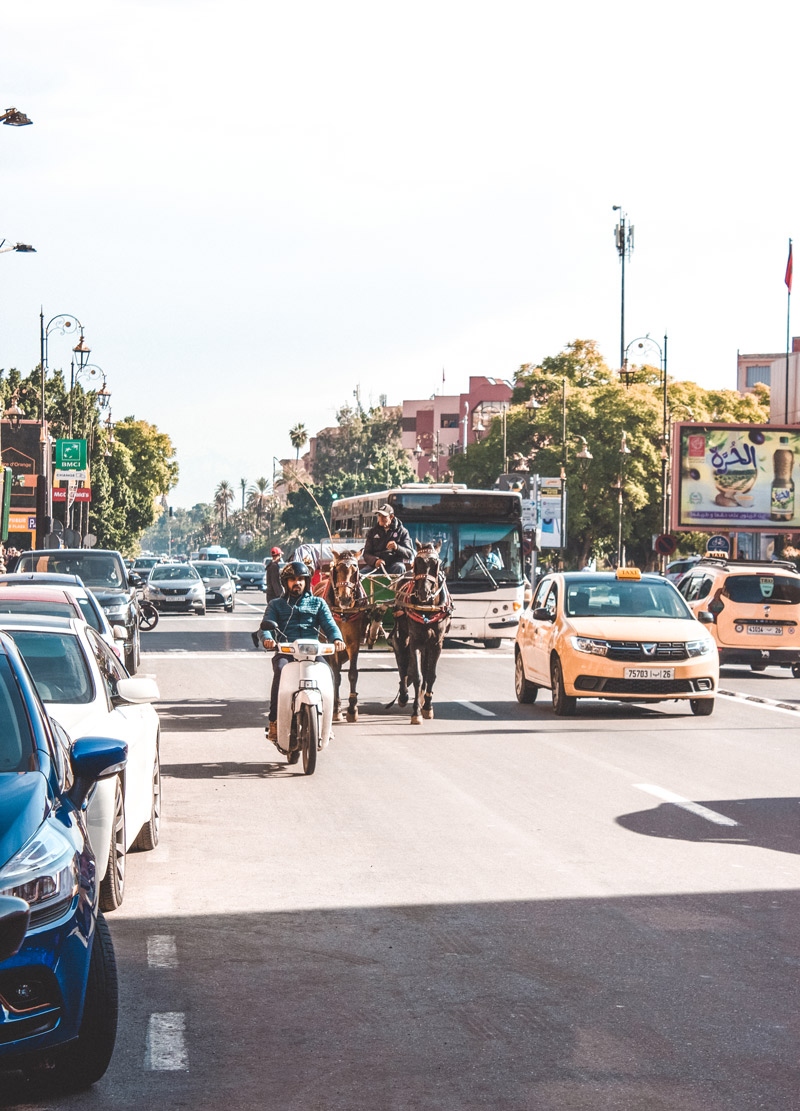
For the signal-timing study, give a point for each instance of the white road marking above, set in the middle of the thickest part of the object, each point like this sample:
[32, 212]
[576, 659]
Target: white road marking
[687, 804]
[767, 703]
[162, 952]
[477, 709]
[166, 1044]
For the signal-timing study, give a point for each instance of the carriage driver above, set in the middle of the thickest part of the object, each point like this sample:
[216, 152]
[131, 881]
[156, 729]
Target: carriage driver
[388, 544]
[298, 614]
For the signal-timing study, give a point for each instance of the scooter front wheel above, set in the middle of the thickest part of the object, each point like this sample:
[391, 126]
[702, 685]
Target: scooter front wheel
[309, 737]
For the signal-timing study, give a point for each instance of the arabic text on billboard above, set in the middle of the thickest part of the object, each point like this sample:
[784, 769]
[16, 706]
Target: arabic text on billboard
[737, 477]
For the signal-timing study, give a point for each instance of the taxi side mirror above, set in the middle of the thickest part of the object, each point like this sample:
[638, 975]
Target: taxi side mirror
[705, 617]
[542, 614]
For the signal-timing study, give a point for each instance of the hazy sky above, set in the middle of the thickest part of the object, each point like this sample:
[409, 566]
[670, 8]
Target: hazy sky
[255, 207]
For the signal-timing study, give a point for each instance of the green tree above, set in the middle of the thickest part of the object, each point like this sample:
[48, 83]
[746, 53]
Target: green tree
[140, 467]
[298, 437]
[223, 500]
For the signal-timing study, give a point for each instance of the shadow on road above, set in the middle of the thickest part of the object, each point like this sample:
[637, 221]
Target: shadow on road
[231, 769]
[762, 823]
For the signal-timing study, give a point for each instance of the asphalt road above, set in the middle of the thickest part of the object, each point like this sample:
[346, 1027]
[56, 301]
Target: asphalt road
[497, 909]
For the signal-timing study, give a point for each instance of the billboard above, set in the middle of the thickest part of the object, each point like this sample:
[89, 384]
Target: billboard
[737, 477]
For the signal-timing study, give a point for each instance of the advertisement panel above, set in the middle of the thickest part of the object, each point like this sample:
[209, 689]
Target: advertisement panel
[550, 512]
[739, 477]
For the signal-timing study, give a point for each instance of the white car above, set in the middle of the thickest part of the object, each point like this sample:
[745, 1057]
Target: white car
[87, 690]
[54, 601]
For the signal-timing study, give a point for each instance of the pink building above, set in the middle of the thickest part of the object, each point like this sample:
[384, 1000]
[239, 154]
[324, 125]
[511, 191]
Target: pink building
[770, 368]
[442, 426]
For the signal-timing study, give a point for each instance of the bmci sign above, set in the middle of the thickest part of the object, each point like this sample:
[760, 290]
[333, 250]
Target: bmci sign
[70, 455]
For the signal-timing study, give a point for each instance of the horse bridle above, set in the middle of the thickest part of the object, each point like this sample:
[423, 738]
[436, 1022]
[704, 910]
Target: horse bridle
[356, 603]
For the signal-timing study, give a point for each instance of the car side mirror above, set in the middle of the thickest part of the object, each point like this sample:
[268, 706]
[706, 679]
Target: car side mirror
[14, 917]
[705, 617]
[134, 580]
[93, 758]
[137, 690]
[118, 632]
[541, 614]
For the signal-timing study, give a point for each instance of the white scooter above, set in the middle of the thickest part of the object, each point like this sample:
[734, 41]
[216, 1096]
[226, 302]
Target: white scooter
[305, 700]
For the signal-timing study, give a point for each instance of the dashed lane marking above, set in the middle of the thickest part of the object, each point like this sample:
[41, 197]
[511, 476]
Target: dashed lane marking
[477, 709]
[687, 804]
[162, 952]
[166, 1043]
[768, 703]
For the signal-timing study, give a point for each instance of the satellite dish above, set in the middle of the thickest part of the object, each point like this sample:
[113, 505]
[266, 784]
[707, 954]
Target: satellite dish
[89, 540]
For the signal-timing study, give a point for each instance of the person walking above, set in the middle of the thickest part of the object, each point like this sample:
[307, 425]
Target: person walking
[274, 588]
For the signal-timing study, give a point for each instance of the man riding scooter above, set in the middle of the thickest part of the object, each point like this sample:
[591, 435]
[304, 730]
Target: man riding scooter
[298, 615]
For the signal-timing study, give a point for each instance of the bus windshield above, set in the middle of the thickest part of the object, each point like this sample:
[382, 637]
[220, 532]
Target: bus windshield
[485, 553]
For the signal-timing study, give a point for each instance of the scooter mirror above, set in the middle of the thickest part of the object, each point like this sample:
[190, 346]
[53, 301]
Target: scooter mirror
[273, 625]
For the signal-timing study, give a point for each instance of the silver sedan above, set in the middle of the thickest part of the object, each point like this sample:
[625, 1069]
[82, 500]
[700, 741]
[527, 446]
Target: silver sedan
[175, 586]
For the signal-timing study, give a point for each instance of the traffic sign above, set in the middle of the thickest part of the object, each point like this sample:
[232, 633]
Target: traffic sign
[719, 544]
[70, 476]
[665, 544]
[71, 455]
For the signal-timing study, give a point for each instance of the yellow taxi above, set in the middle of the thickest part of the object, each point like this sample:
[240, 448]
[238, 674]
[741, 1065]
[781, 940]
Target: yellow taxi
[755, 606]
[623, 636]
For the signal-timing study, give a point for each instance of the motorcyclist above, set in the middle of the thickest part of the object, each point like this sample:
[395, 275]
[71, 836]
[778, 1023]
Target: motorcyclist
[274, 588]
[298, 614]
[387, 543]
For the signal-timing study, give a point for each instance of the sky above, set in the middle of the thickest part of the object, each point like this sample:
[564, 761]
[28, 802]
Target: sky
[255, 208]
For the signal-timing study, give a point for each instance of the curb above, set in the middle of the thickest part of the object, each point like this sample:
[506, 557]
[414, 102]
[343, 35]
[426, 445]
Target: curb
[795, 709]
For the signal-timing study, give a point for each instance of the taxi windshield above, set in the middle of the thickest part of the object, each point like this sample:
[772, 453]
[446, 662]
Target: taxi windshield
[617, 598]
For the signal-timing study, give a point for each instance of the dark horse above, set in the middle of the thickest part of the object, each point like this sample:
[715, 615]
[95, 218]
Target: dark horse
[348, 603]
[422, 619]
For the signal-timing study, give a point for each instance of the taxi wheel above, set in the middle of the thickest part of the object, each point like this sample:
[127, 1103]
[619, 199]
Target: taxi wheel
[702, 707]
[525, 691]
[563, 704]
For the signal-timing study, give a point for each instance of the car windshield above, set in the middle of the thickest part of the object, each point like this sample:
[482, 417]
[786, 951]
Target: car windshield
[90, 614]
[16, 742]
[782, 590]
[166, 573]
[148, 561]
[98, 569]
[251, 568]
[57, 664]
[208, 571]
[624, 599]
[39, 607]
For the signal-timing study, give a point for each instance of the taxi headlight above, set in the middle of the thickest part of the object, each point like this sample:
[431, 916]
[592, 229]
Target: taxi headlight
[587, 644]
[700, 647]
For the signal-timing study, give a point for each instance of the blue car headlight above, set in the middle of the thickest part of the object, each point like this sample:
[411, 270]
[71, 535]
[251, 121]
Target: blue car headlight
[44, 872]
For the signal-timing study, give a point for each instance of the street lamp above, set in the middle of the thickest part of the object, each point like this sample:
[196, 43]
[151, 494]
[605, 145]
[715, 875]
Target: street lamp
[14, 414]
[12, 117]
[619, 485]
[641, 343]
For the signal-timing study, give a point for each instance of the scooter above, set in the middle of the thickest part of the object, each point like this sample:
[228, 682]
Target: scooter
[305, 700]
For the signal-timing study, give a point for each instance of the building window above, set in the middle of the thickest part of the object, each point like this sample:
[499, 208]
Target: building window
[448, 420]
[484, 413]
[409, 424]
[757, 374]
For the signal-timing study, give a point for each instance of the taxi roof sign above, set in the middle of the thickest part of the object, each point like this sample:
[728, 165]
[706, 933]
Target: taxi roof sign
[629, 573]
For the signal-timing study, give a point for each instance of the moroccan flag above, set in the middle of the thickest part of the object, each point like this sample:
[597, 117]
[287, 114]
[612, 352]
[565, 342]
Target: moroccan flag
[788, 278]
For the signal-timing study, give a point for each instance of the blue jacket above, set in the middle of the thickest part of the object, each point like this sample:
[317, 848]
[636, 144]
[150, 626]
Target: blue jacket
[301, 619]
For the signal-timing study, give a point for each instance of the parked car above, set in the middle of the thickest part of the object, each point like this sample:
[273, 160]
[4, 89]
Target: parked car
[623, 636]
[678, 568]
[58, 977]
[176, 586]
[70, 587]
[219, 584]
[252, 574]
[103, 571]
[87, 690]
[755, 606]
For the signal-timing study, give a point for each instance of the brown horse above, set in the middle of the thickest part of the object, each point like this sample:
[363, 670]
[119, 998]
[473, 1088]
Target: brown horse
[422, 620]
[348, 603]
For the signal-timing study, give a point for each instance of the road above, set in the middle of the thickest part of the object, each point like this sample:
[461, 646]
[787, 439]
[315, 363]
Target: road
[497, 909]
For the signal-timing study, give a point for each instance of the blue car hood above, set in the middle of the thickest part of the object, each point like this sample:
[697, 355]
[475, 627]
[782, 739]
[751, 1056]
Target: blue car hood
[24, 804]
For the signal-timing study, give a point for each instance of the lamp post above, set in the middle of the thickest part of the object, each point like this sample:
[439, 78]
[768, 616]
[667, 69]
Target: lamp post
[63, 323]
[75, 375]
[641, 343]
[12, 117]
[23, 248]
[624, 451]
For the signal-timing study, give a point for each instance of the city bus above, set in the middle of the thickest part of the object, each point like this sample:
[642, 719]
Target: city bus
[481, 553]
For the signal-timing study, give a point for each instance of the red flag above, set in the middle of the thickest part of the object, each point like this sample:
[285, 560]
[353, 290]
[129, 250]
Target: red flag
[788, 278]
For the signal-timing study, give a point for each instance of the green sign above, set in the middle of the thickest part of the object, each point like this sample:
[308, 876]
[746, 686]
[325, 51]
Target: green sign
[70, 455]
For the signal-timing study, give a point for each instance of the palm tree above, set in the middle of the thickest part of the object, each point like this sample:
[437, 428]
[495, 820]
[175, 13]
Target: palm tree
[298, 436]
[259, 499]
[223, 497]
[243, 486]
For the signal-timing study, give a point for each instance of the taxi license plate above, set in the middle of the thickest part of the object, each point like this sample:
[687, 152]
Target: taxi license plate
[767, 630]
[649, 672]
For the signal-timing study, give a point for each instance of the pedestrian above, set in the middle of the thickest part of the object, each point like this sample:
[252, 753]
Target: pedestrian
[274, 587]
[388, 545]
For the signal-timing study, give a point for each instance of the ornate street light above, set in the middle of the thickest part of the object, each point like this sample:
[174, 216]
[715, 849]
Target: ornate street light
[23, 248]
[14, 414]
[12, 117]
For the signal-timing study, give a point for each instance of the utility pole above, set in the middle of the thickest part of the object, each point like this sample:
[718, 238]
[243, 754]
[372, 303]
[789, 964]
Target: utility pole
[623, 235]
